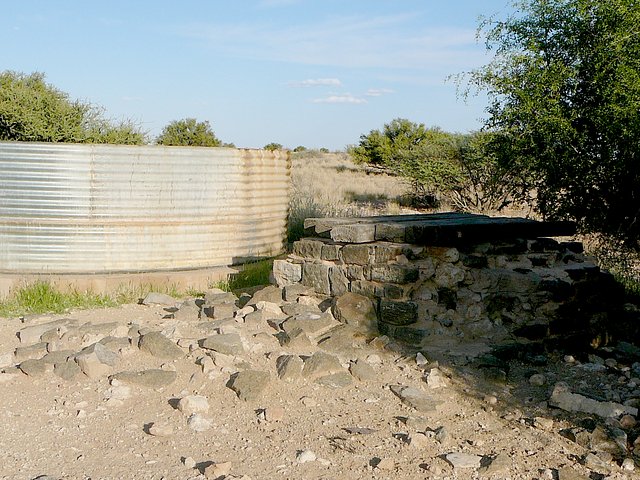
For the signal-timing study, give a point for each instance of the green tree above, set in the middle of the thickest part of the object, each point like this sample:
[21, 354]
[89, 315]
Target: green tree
[427, 157]
[273, 146]
[32, 110]
[188, 133]
[564, 107]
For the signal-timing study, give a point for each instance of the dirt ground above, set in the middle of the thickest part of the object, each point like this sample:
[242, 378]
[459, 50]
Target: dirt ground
[353, 427]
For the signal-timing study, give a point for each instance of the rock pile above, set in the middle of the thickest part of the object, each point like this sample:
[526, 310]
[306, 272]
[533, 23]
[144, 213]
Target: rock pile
[288, 384]
[511, 289]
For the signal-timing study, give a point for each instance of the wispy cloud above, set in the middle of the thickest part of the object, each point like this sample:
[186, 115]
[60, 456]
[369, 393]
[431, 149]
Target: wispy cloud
[347, 41]
[343, 98]
[378, 92]
[317, 82]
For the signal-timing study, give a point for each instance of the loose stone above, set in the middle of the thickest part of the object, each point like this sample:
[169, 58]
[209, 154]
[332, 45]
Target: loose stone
[162, 430]
[415, 398]
[193, 404]
[250, 384]
[160, 346]
[199, 423]
[463, 460]
[305, 456]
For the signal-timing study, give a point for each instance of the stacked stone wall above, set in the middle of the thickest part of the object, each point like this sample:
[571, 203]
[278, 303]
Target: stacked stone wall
[523, 290]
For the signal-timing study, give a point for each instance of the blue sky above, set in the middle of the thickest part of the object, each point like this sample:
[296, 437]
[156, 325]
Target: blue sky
[317, 73]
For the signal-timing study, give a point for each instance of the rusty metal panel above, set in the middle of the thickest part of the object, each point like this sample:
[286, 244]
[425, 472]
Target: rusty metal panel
[68, 208]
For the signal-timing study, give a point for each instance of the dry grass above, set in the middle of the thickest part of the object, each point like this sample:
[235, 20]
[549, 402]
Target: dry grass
[331, 185]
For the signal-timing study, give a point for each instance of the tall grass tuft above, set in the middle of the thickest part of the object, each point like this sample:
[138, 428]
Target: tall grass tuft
[42, 297]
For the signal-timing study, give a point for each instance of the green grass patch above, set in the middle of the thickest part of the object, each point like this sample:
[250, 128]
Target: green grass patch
[42, 297]
[251, 275]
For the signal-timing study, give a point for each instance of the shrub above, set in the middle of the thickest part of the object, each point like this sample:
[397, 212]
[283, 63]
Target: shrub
[33, 111]
[188, 133]
[272, 146]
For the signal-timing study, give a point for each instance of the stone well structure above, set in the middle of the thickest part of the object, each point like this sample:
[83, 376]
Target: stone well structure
[447, 279]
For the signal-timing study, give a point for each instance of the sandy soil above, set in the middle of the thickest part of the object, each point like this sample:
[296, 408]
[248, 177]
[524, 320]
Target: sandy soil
[299, 429]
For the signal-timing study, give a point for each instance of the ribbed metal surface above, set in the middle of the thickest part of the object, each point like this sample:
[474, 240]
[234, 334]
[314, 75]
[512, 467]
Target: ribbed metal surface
[67, 208]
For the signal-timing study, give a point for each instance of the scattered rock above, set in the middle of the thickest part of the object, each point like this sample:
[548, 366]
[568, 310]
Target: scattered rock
[33, 368]
[193, 404]
[335, 380]
[463, 460]
[321, 364]
[357, 310]
[362, 371]
[499, 465]
[289, 367]
[67, 370]
[568, 473]
[435, 379]
[162, 430]
[189, 462]
[199, 423]
[96, 360]
[156, 298]
[271, 294]
[574, 402]
[249, 384]
[160, 346]
[217, 470]
[227, 343]
[305, 456]
[415, 398]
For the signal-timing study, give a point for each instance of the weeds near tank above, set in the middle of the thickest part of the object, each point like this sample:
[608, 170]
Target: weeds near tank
[252, 275]
[42, 297]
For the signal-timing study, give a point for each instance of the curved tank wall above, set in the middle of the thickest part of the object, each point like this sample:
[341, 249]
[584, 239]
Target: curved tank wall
[68, 208]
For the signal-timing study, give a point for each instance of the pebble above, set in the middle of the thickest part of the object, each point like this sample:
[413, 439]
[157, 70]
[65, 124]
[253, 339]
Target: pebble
[161, 430]
[305, 456]
[217, 470]
[189, 462]
[193, 404]
[199, 423]
[463, 460]
[415, 398]
[628, 464]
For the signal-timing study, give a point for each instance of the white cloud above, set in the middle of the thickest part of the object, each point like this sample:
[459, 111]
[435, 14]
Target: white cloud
[343, 98]
[389, 42]
[317, 82]
[378, 92]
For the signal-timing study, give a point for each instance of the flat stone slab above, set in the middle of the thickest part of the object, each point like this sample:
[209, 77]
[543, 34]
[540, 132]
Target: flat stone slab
[434, 229]
[415, 398]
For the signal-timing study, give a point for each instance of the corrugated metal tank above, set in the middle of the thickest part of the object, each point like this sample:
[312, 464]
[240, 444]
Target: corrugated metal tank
[68, 208]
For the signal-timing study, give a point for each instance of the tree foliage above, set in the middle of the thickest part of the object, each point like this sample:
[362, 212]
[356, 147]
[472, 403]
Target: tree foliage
[438, 165]
[32, 110]
[564, 107]
[188, 133]
[273, 146]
